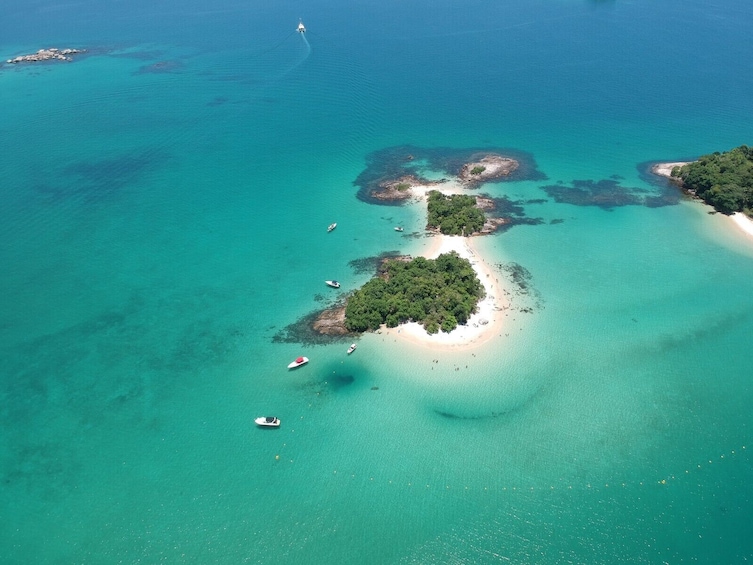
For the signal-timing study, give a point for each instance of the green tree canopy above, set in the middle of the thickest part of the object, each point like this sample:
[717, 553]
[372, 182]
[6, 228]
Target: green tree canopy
[455, 214]
[722, 180]
[438, 293]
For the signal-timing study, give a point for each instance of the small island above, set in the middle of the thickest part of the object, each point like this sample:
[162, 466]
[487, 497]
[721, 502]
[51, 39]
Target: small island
[721, 180]
[436, 293]
[51, 54]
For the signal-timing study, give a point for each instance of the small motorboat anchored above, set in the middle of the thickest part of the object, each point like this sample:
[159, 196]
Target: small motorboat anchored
[331, 227]
[298, 362]
[352, 348]
[268, 422]
[398, 228]
[301, 28]
[333, 284]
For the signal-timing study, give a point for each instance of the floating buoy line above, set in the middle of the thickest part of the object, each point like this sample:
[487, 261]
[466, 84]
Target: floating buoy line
[668, 480]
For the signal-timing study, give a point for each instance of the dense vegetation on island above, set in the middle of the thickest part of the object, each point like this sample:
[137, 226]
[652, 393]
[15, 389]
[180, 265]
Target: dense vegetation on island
[455, 214]
[723, 180]
[438, 293]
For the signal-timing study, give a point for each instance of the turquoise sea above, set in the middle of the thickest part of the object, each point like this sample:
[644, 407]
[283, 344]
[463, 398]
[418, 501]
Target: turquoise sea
[163, 240]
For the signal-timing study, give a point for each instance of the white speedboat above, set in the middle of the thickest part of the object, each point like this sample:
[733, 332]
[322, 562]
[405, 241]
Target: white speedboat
[301, 28]
[352, 348]
[331, 226]
[298, 362]
[333, 284]
[398, 228]
[268, 421]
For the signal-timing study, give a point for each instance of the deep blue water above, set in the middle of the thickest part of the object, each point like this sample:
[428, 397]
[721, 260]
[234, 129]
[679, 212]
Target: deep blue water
[163, 231]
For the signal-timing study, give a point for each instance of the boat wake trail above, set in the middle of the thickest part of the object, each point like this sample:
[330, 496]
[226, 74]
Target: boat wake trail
[297, 62]
[308, 45]
[264, 68]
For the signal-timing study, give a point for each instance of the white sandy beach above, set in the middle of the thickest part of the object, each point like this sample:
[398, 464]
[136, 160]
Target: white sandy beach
[743, 222]
[487, 321]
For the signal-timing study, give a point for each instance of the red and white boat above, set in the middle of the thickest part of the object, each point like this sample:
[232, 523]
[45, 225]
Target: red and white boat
[298, 362]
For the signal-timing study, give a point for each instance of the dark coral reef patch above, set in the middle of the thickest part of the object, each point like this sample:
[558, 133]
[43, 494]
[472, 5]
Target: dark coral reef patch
[505, 213]
[368, 265]
[160, 67]
[609, 193]
[93, 180]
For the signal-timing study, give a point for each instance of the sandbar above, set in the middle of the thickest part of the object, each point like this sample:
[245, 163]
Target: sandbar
[420, 192]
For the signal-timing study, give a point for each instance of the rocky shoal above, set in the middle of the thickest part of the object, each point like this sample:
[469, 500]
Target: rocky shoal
[52, 54]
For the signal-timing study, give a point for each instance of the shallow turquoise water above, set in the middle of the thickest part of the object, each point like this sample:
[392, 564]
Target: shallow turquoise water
[160, 229]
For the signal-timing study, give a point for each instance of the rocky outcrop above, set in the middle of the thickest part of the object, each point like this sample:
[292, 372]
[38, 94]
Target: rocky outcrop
[331, 322]
[487, 168]
[397, 189]
[485, 204]
[491, 224]
[382, 269]
[52, 54]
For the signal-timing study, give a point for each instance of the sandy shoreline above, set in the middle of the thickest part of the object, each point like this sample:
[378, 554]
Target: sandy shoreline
[487, 321]
[743, 222]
